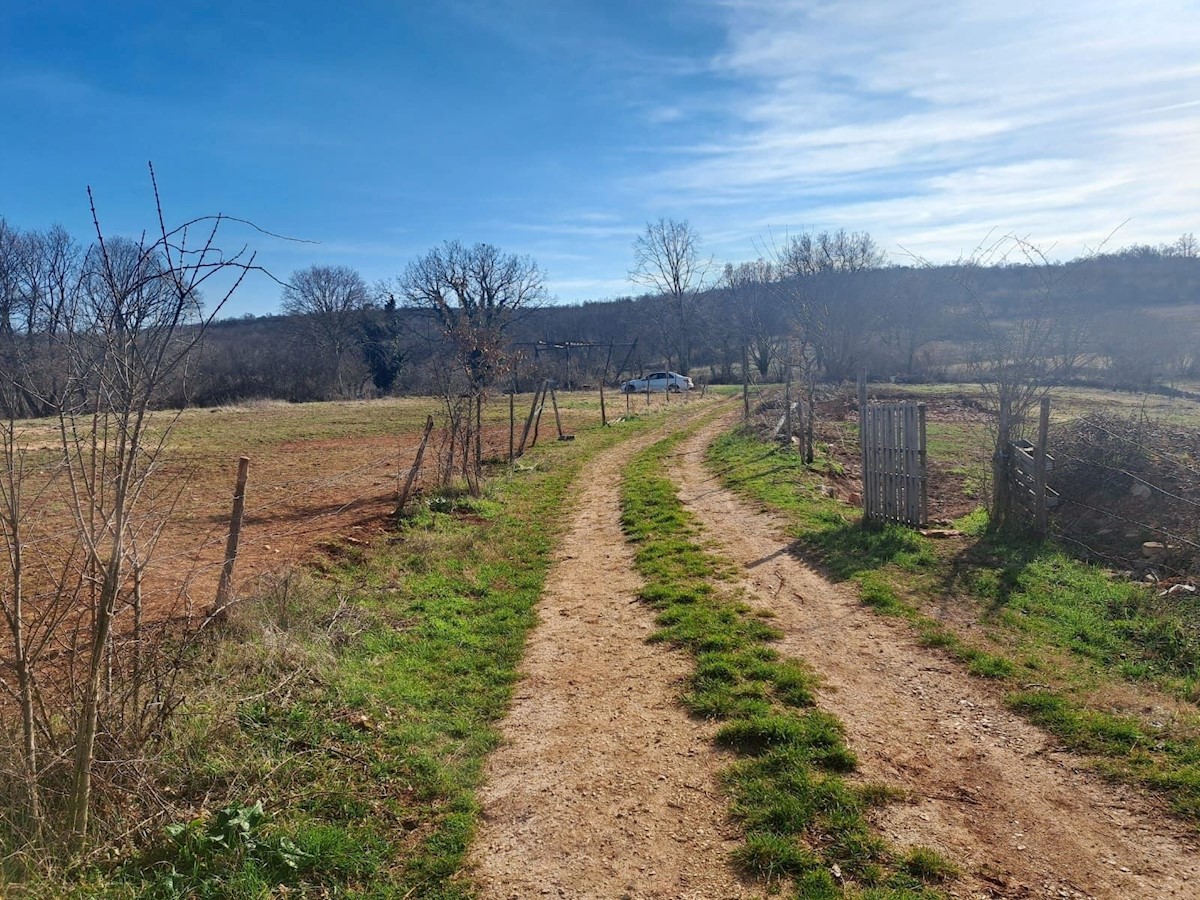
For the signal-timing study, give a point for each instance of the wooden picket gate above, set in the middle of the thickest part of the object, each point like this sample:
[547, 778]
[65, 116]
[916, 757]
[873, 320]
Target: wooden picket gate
[895, 488]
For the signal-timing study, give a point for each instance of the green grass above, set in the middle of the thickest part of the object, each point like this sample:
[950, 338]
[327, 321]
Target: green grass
[1105, 654]
[801, 816]
[358, 707]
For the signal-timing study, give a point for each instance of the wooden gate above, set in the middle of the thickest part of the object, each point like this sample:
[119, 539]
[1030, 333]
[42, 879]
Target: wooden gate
[893, 461]
[1028, 466]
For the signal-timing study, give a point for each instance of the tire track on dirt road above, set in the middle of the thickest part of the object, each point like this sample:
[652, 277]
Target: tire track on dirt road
[603, 786]
[995, 794]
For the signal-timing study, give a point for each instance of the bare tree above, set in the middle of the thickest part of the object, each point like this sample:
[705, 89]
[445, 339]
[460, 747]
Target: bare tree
[666, 258]
[821, 281]
[914, 305]
[1020, 354]
[828, 251]
[475, 294]
[752, 317]
[115, 325]
[1185, 246]
[329, 301]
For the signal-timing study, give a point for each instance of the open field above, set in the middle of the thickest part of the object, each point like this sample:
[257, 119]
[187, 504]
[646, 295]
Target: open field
[322, 475]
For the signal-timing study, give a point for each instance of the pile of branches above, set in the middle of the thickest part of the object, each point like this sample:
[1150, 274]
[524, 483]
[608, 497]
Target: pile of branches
[1125, 482]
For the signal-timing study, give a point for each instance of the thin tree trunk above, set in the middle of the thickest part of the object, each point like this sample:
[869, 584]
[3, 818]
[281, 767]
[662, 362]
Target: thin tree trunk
[745, 383]
[478, 439]
[85, 739]
[15, 614]
[999, 511]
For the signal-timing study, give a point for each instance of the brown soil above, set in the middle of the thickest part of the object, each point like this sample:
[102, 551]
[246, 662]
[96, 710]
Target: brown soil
[306, 500]
[604, 787]
[1023, 817]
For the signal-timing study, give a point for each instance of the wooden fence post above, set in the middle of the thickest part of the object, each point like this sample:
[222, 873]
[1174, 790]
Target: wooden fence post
[1041, 516]
[537, 420]
[923, 459]
[558, 419]
[862, 438]
[745, 383]
[787, 406]
[225, 584]
[406, 491]
[1001, 496]
[809, 423]
[529, 421]
[603, 408]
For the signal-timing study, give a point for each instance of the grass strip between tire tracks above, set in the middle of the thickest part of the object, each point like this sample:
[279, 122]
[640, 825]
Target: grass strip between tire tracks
[1064, 638]
[805, 822]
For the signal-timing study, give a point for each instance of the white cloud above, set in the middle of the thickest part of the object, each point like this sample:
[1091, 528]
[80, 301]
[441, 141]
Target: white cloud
[930, 124]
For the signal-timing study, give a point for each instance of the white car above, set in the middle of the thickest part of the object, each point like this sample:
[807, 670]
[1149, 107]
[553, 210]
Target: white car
[658, 381]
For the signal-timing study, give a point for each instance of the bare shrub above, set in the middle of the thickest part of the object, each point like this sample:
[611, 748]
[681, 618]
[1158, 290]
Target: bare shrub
[1125, 480]
[94, 683]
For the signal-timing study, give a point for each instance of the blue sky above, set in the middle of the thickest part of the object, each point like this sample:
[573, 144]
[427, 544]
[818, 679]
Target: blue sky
[558, 128]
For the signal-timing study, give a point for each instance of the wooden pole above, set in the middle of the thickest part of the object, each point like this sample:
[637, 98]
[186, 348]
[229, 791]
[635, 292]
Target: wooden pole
[225, 584]
[557, 417]
[745, 383]
[862, 437]
[808, 423]
[923, 461]
[1000, 459]
[1039, 469]
[512, 423]
[603, 409]
[787, 402]
[415, 469]
[529, 421]
[537, 421]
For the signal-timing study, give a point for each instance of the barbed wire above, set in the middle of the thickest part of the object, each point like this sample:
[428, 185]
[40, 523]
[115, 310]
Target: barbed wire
[1126, 472]
[1144, 447]
[1158, 529]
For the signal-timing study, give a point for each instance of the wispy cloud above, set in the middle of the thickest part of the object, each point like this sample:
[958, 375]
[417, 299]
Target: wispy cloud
[931, 124]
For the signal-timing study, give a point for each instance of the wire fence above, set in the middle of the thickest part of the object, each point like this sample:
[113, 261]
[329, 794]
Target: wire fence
[1129, 492]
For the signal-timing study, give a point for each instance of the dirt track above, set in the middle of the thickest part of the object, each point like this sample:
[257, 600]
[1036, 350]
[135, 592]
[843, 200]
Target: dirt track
[605, 788]
[1023, 817]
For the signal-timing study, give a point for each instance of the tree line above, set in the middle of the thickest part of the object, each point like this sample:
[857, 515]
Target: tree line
[828, 298]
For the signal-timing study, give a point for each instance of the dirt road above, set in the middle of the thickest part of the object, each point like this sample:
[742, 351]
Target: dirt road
[604, 788]
[997, 795]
